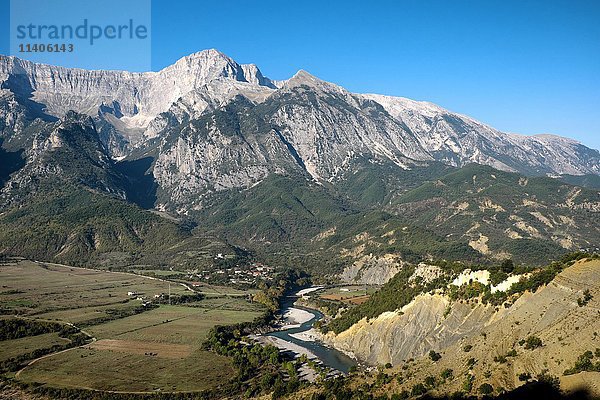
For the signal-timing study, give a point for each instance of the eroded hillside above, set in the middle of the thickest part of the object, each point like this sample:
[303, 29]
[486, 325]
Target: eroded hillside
[539, 334]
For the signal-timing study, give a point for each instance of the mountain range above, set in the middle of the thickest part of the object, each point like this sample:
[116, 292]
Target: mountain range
[291, 170]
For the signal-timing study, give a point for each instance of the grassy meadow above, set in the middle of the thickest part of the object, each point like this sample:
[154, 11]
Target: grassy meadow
[155, 350]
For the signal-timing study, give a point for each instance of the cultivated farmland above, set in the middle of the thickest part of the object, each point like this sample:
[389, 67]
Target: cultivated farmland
[135, 349]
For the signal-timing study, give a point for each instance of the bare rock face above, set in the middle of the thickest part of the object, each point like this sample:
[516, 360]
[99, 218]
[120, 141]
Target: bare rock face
[218, 161]
[458, 140]
[419, 327]
[134, 99]
[554, 313]
[371, 270]
[329, 127]
[131, 94]
[212, 124]
[307, 126]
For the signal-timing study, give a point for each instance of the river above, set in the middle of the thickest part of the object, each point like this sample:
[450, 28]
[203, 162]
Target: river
[328, 356]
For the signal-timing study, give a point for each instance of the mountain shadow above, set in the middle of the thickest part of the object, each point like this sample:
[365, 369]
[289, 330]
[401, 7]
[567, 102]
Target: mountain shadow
[530, 391]
[20, 85]
[141, 185]
[10, 161]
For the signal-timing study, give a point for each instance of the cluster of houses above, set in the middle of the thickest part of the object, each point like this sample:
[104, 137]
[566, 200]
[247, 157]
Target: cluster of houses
[144, 299]
[237, 275]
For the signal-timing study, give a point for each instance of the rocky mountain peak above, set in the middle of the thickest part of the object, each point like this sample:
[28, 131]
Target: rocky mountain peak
[208, 65]
[304, 78]
[324, 125]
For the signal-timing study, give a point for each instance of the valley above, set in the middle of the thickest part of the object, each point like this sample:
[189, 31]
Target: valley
[205, 232]
[133, 344]
[129, 339]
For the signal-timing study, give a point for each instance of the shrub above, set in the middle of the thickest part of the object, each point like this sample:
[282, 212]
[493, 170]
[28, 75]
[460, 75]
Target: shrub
[587, 296]
[497, 277]
[471, 362]
[533, 342]
[524, 376]
[382, 379]
[467, 348]
[400, 396]
[486, 388]
[467, 385]
[507, 266]
[584, 363]
[446, 374]
[434, 356]
[430, 381]
[500, 359]
[551, 380]
[418, 390]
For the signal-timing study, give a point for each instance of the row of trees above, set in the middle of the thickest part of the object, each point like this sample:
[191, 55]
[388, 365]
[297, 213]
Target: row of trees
[75, 336]
[15, 328]
[260, 369]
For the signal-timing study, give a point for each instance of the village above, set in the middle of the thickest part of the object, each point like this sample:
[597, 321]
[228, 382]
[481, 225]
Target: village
[242, 275]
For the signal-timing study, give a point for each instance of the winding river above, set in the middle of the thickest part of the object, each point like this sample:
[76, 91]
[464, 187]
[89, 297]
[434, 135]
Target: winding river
[328, 356]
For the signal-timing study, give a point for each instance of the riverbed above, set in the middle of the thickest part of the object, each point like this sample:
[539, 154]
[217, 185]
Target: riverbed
[297, 335]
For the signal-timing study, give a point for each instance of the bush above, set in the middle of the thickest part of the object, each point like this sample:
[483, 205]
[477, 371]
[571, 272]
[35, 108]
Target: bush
[467, 348]
[507, 266]
[533, 342]
[467, 385]
[587, 296]
[400, 396]
[446, 374]
[434, 356]
[486, 388]
[550, 380]
[497, 277]
[418, 390]
[382, 379]
[524, 376]
[500, 359]
[430, 381]
[585, 363]
[471, 362]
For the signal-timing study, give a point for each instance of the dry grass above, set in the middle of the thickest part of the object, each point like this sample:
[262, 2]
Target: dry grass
[31, 288]
[152, 349]
[16, 347]
[348, 299]
[159, 349]
[119, 360]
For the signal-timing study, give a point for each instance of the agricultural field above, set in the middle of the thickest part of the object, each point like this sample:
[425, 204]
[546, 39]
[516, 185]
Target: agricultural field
[219, 291]
[347, 294]
[159, 349]
[15, 347]
[155, 350]
[31, 288]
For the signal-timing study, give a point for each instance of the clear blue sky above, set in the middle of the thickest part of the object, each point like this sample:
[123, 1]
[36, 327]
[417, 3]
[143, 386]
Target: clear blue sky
[520, 66]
